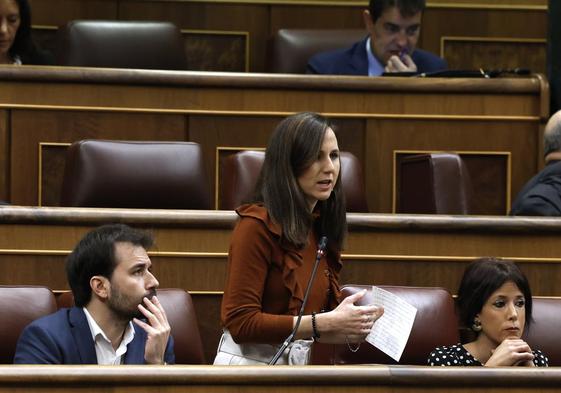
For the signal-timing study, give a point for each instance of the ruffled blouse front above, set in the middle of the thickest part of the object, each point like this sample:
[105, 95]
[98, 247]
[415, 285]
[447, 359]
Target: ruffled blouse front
[267, 279]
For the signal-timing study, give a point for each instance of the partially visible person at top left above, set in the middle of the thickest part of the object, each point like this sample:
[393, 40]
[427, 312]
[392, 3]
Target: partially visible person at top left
[16, 44]
[117, 318]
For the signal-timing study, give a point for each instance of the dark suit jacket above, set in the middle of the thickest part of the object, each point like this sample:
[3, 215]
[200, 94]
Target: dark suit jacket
[354, 61]
[65, 338]
[541, 196]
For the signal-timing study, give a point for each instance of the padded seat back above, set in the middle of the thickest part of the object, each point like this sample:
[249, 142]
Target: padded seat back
[239, 173]
[151, 175]
[238, 176]
[353, 183]
[292, 48]
[184, 325]
[177, 303]
[19, 306]
[121, 44]
[435, 325]
[434, 184]
[545, 333]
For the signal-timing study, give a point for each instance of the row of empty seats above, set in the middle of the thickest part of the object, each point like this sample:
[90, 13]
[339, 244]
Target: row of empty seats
[159, 45]
[172, 175]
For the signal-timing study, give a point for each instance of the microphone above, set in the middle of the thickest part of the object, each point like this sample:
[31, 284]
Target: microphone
[321, 249]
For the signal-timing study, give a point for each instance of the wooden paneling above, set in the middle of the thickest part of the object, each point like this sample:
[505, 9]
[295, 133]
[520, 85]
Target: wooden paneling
[514, 19]
[481, 22]
[249, 18]
[214, 131]
[29, 128]
[205, 50]
[33, 269]
[488, 3]
[374, 117]
[298, 16]
[490, 180]
[294, 379]
[218, 51]
[58, 12]
[495, 54]
[199, 273]
[191, 250]
[4, 155]
[445, 136]
[207, 308]
[52, 160]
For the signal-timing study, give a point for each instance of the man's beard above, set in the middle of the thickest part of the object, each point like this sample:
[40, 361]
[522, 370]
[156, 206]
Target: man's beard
[126, 307]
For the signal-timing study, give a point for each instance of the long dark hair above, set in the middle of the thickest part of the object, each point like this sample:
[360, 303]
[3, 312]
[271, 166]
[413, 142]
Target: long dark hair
[24, 47]
[293, 147]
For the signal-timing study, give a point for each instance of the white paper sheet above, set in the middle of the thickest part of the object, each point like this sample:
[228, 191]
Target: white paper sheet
[391, 331]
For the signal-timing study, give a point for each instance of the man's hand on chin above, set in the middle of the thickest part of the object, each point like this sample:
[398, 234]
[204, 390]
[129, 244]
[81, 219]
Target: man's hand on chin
[157, 330]
[403, 64]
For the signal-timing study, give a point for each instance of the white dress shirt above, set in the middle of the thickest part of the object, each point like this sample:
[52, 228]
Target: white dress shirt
[103, 347]
[375, 68]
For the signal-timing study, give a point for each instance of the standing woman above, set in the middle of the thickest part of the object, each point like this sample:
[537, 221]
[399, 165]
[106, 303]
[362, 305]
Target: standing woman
[495, 301]
[16, 45]
[298, 199]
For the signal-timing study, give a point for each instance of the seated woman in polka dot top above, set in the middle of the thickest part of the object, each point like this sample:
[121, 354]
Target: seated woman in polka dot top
[495, 301]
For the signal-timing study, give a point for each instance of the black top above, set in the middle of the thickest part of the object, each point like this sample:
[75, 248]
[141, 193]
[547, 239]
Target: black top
[37, 57]
[457, 355]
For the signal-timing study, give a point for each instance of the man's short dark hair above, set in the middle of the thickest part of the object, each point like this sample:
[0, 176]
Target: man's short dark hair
[484, 276]
[94, 255]
[407, 8]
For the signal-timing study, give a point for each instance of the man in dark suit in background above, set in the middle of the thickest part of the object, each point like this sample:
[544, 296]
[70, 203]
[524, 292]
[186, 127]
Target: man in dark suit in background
[111, 278]
[541, 196]
[394, 27]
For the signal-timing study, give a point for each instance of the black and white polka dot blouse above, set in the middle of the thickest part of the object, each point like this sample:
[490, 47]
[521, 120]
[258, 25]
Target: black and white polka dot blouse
[457, 355]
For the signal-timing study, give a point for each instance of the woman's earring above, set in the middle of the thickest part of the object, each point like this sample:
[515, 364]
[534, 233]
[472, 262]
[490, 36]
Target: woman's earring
[476, 327]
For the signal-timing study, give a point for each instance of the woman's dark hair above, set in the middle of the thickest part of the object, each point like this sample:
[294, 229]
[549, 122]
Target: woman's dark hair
[94, 255]
[484, 276]
[23, 45]
[293, 147]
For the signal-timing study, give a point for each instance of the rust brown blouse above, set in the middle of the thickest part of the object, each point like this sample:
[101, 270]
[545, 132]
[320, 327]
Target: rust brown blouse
[266, 280]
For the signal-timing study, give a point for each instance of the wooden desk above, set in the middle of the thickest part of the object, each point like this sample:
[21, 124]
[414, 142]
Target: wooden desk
[191, 250]
[216, 379]
[495, 124]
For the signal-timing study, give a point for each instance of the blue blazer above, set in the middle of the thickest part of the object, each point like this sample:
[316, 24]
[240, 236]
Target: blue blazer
[354, 61]
[65, 338]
